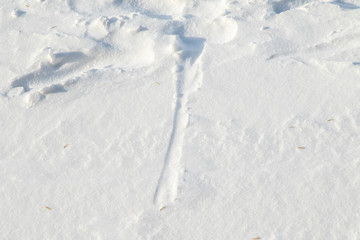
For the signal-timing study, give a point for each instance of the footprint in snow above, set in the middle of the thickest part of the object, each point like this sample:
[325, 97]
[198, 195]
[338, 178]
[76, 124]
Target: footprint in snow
[17, 13]
[127, 47]
[50, 69]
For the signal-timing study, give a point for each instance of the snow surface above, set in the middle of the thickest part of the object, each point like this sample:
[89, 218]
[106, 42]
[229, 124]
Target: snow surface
[180, 119]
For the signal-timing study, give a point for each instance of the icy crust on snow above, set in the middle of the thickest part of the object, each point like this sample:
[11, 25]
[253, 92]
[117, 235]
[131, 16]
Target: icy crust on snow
[180, 119]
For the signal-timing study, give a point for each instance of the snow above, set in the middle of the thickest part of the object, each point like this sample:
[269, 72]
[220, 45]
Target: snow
[180, 119]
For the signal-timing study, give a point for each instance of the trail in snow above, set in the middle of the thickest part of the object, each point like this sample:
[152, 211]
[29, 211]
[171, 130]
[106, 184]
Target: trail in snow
[188, 77]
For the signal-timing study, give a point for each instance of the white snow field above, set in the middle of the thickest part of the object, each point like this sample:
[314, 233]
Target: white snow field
[180, 119]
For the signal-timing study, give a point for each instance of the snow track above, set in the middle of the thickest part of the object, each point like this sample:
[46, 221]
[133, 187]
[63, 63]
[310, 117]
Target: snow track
[57, 71]
[187, 52]
[188, 78]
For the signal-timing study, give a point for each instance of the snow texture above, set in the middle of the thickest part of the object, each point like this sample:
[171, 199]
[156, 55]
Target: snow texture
[180, 119]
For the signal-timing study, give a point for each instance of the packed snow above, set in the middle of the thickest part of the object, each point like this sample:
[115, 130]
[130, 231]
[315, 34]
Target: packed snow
[180, 119]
